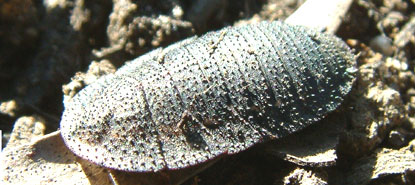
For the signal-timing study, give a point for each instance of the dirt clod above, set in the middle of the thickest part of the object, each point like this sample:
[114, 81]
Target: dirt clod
[46, 44]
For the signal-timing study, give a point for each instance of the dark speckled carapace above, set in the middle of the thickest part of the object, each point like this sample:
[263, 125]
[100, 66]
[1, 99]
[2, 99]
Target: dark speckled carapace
[203, 97]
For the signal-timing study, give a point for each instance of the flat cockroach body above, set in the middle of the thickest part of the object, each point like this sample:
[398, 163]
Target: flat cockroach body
[217, 94]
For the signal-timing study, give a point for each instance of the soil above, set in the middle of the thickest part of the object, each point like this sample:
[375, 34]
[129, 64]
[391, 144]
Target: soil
[54, 48]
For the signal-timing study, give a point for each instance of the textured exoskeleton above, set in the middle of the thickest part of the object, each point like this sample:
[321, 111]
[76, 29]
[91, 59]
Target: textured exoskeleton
[204, 97]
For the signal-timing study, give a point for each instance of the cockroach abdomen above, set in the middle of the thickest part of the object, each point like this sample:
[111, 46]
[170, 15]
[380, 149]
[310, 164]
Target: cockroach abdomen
[217, 94]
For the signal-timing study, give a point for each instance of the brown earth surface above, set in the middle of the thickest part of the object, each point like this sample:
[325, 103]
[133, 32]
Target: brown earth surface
[54, 48]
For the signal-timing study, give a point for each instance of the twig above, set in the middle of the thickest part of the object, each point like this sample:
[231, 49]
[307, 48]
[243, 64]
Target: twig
[323, 15]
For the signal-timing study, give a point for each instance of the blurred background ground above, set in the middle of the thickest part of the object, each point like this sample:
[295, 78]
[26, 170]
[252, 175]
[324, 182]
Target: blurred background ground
[47, 47]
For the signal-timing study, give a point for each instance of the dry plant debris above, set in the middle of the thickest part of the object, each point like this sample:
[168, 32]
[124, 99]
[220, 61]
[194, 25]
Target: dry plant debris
[48, 42]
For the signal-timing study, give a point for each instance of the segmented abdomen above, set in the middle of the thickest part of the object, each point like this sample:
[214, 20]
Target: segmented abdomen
[220, 93]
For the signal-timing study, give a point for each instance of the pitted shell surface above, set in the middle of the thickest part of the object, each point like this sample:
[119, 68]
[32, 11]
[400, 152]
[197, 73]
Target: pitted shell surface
[203, 97]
